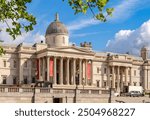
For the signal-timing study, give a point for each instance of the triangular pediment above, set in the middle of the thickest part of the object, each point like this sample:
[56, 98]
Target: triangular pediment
[75, 50]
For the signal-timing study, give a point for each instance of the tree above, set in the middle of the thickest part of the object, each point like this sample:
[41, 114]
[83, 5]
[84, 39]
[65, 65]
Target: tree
[16, 11]
[82, 6]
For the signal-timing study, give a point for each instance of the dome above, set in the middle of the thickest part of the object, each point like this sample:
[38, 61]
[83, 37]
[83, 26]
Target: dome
[57, 34]
[56, 27]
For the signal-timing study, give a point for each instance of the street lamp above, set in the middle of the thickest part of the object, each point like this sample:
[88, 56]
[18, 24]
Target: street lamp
[76, 88]
[110, 92]
[33, 96]
[36, 83]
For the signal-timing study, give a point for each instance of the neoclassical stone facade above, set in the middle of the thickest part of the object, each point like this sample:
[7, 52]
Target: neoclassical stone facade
[67, 66]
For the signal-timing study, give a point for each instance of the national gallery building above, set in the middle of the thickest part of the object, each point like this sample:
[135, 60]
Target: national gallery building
[67, 73]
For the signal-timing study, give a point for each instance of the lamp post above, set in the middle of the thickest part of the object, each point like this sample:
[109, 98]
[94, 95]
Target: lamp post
[76, 87]
[36, 83]
[110, 92]
[33, 96]
[75, 96]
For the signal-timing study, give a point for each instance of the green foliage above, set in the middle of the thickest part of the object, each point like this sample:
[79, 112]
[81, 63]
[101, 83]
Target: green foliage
[82, 6]
[16, 11]
[1, 51]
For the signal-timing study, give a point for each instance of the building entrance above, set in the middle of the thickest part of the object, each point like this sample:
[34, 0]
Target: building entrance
[57, 100]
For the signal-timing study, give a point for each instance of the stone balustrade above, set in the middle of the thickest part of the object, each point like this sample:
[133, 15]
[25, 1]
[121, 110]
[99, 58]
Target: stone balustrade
[48, 90]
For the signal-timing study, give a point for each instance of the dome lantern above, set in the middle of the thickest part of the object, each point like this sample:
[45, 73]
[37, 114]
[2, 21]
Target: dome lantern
[57, 17]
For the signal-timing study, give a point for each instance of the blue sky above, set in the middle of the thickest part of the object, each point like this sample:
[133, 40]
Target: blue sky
[129, 15]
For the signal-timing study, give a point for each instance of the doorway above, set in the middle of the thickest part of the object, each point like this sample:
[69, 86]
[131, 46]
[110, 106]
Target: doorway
[57, 100]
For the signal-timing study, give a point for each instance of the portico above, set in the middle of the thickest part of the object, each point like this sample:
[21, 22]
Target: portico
[65, 70]
[119, 76]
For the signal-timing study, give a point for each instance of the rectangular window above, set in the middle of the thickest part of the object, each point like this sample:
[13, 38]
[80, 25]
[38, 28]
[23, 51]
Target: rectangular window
[140, 84]
[25, 80]
[105, 84]
[97, 69]
[4, 79]
[4, 63]
[15, 64]
[140, 72]
[105, 70]
[64, 40]
[134, 72]
[129, 72]
[134, 83]
[53, 39]
[110, 70]
[14, 80]
[97, 83]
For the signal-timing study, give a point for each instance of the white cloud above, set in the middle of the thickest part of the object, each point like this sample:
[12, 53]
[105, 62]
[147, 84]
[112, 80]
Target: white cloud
[122, 12]
[84, 34]
[25, 37]
[82, 24]
[130, 40]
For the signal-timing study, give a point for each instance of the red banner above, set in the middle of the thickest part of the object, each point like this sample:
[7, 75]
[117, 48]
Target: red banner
[37, 65]
[88, 71]
[51, 65]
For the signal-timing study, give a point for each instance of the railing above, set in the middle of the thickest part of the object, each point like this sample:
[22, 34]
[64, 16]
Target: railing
[44, 90]
[84, 91]
[57, 91]
[69, 91]
[105, 92]
[28, 90]
[2, 89]
[49, 90]
[13, 89]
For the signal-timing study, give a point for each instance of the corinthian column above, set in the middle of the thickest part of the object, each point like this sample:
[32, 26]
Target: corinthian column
[113, 77]
[118, 80]
[67, 70]
[126, 76]
[131, 81]
[74, 71]
[47, 68]
[61, 70]
[80, 71]
[43, 69]
[54, 76]
[145, 78]
[85, 72]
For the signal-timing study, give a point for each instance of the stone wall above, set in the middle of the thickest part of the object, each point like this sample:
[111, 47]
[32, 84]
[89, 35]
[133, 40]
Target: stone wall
[46, 95]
